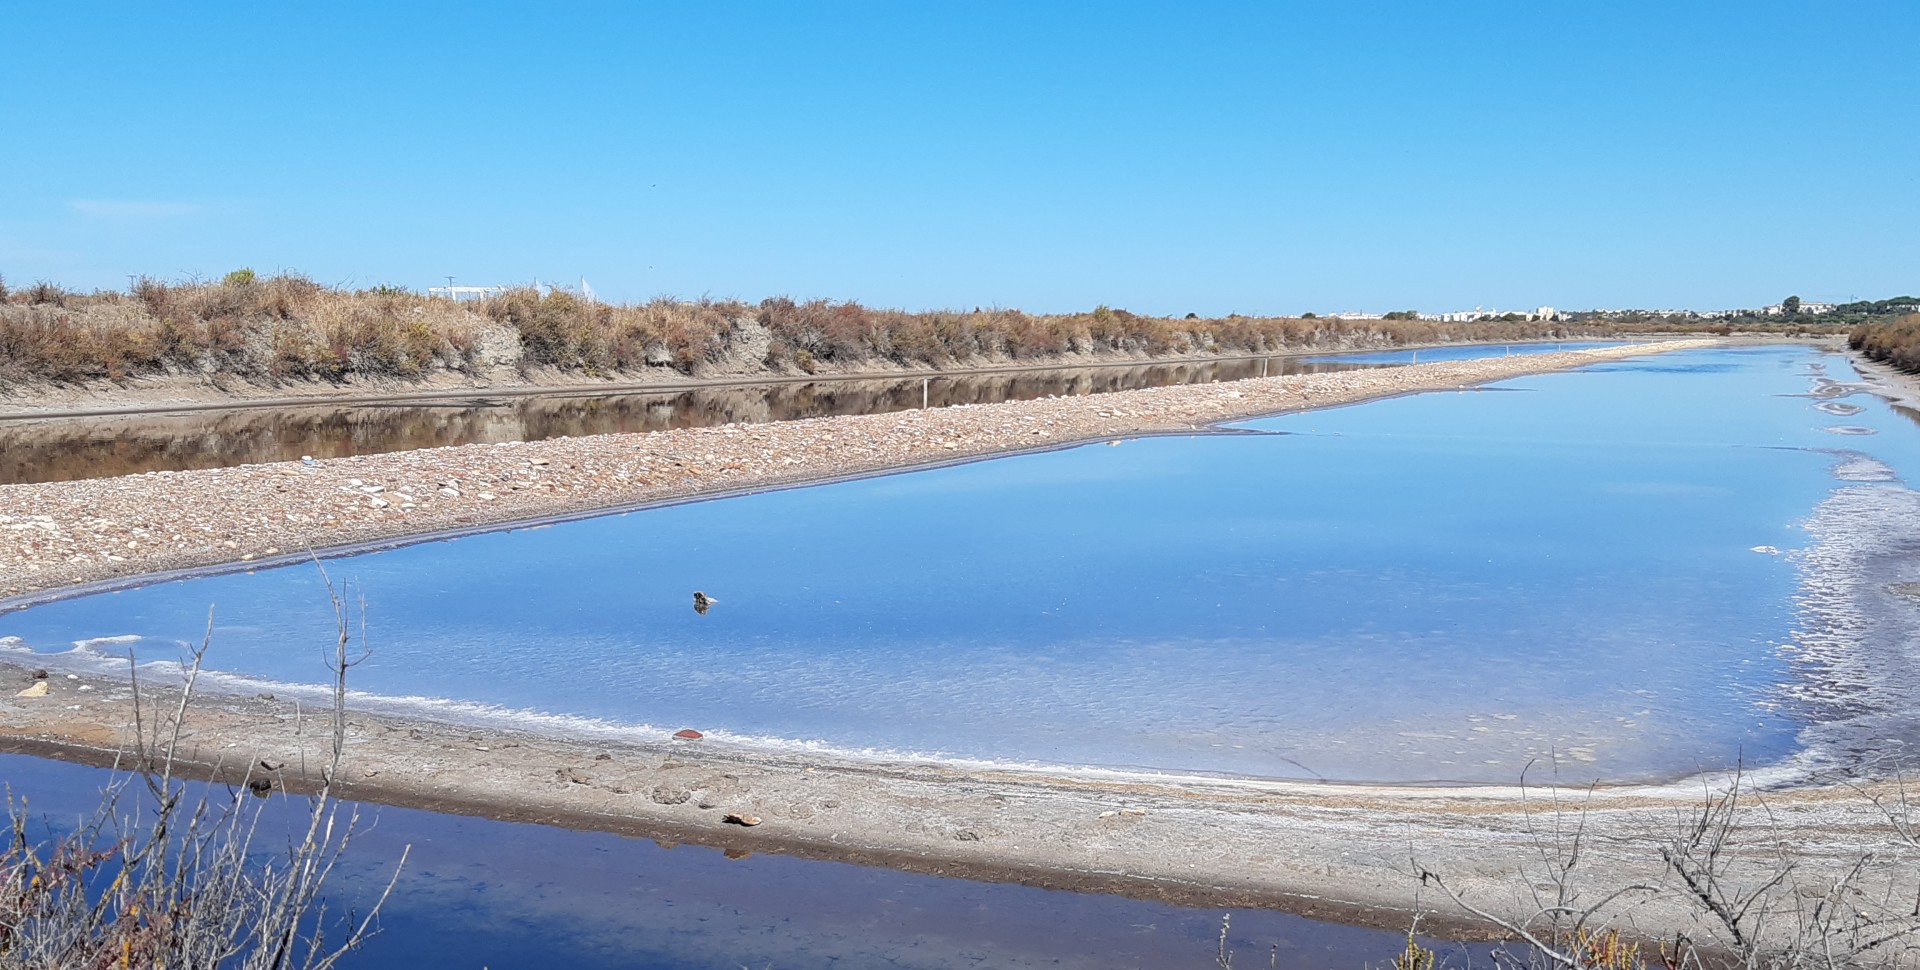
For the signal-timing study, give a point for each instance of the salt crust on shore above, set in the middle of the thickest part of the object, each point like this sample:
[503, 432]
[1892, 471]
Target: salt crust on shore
[1337, 851]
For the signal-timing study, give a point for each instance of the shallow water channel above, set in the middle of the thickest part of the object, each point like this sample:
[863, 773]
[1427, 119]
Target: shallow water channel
[479, 893]
[62, 449]
[1639, 570]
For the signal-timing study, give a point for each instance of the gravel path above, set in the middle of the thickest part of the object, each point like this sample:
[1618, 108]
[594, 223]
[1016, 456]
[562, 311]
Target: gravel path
[59, 534]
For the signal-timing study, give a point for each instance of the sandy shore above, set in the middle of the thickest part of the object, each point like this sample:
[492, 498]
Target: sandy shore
[1340, 851]
[1343, 852]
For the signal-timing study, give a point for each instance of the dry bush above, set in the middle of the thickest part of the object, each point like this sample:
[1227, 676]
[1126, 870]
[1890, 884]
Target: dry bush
[1895, 342]
[1754, 904]
[561, 331]
[159, 878]
[287, 326]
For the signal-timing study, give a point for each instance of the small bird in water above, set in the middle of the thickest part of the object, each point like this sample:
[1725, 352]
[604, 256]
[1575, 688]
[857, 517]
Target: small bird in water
[702, 602]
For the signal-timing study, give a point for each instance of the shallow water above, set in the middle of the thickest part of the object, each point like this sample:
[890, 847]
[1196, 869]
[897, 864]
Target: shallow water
[72, 448]
[1429, 355]
[482, 893]
[1444, 587]
[53, 450]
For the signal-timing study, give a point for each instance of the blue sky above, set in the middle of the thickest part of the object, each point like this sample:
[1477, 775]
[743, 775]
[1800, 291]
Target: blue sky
[1252, 158]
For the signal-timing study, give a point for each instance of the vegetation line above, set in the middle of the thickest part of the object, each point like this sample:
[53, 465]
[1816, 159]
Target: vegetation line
[275, 330]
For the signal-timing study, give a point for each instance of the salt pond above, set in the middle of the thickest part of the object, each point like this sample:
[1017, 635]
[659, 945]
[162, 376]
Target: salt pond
[1443, 587]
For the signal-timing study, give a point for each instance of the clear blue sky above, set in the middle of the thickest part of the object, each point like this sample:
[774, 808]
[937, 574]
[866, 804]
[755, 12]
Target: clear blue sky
[1258, 158]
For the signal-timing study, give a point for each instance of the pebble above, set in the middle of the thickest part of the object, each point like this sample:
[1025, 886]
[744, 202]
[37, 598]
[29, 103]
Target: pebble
[51, 533]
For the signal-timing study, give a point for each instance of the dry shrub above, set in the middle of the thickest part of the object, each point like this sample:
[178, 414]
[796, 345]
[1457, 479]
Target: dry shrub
[288, 326]
[1895, 342]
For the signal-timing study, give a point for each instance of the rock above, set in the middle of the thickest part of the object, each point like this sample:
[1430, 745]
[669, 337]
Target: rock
[670, 795]
[737, 818]
[39, 689]
[450, 492]
[40, 674]
[688, 734]
[259, 786]
[603, 756]
[966, 835]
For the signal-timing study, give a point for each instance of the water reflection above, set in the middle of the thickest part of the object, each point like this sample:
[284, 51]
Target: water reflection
[482, 893]
[1440, 587]
[60, 450]
[1429, 355]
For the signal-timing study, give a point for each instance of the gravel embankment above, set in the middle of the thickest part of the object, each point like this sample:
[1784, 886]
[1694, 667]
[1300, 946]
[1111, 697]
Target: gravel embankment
[64, 533]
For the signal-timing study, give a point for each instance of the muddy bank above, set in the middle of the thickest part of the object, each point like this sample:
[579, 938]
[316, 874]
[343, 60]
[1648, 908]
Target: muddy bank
[59, 534]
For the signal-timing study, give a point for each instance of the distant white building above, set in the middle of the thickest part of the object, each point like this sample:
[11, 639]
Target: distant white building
[452, 292]
[1482, 313]
[583, 291]
[1806, 306]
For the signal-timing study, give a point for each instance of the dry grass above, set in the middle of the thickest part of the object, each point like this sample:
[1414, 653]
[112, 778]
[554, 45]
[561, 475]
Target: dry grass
[278, 327]
[165, 874]
[1895, 342]
[268, 329]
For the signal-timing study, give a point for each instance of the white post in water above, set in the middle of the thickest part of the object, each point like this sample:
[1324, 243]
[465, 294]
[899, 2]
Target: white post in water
[924, 382]
[1416, 355]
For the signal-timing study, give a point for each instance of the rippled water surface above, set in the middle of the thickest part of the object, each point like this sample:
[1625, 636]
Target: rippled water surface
[1612, 567]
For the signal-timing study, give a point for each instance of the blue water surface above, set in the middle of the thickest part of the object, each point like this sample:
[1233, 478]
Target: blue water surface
[1430, 355]
[479, 893]
[1442, 587]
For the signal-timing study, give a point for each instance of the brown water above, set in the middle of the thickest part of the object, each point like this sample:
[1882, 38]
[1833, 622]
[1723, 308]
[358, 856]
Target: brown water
[97, 447]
